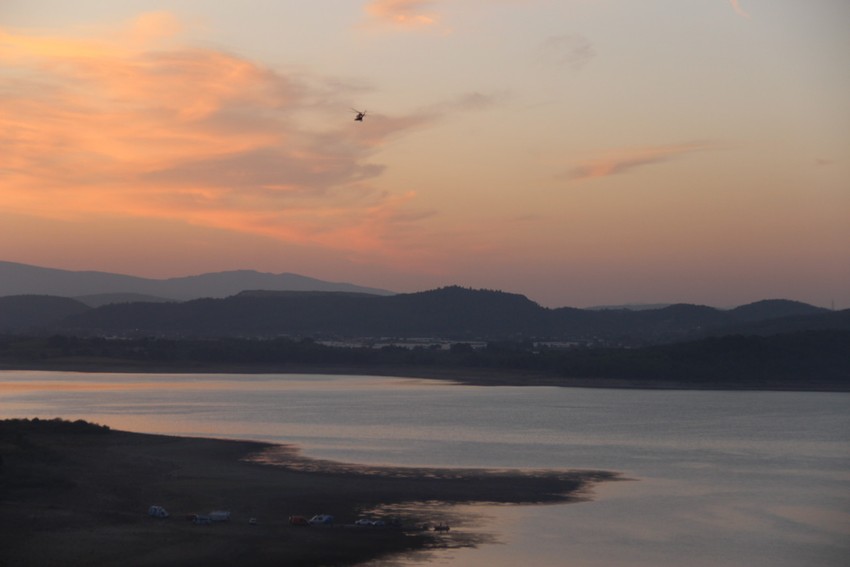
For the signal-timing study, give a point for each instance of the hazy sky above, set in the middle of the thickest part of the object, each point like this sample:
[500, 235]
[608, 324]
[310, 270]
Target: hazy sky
[580, 152]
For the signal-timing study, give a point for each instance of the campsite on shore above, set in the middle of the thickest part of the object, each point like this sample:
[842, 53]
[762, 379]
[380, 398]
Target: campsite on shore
[79, 493]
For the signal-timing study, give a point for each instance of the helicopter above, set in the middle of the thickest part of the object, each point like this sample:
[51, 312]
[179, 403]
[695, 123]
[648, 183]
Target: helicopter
[360, 115]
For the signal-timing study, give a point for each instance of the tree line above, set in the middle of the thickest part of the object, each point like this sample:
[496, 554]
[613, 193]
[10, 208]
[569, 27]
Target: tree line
[810, 359]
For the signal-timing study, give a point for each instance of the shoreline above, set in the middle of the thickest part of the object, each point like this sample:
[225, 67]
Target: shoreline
[73, 497]
[461, 375]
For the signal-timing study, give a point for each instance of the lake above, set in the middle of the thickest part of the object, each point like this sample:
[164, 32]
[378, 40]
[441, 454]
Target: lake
[720, 478]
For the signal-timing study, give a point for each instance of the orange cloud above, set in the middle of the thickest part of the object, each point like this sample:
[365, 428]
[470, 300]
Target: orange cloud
[134, 124]
[402, 12]
[142, 32]
[624, 160]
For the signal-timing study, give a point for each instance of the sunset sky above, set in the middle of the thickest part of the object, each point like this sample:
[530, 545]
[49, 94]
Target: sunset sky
[580, 152]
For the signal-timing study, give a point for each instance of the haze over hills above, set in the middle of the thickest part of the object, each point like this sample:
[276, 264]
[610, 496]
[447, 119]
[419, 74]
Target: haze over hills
[23, 279]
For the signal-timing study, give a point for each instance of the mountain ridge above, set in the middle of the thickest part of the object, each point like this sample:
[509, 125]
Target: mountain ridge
[26, 279]
[453, 313]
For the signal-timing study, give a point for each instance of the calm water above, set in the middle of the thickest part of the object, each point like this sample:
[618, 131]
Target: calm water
[722, 478]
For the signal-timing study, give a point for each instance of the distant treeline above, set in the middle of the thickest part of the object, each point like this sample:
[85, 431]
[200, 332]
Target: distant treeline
[805, 360]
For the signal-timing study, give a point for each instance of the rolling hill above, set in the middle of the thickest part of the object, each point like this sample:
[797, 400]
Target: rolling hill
[23, 279]
[253, 304]
[452, 313]
[36, 313]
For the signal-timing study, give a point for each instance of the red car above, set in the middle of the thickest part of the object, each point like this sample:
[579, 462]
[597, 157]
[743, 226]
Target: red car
[298, 521]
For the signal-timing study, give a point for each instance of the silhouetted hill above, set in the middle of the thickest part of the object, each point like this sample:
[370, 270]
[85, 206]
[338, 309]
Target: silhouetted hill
[23, 313]
[667, 324]
[459, 312]
[448, 312]
[223, 284]
[773, 309]
[19, 279]
[675, 346]
[452, 313]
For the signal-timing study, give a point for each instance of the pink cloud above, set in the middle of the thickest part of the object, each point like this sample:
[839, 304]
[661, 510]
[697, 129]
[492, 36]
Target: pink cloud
[402, 12]
[621, 161]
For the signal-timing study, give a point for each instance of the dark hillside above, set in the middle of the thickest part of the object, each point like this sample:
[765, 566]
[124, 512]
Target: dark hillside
[463, 313]
[447, 312]
[676, 322]
[450, 313]
[773, 309]
[671, 323]
[250, 314]
[35, 312]
[820, 320]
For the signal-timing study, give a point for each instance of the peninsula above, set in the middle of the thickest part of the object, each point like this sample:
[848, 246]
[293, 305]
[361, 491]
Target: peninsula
[78, 493]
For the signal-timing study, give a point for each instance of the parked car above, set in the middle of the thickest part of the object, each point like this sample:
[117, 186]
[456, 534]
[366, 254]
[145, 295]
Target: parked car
[298, 521]
[321, 520]
[219, 516]
[157, 512]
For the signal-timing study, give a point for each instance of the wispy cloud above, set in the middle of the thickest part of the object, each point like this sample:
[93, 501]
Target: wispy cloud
[407, 13]
[737, 7]
[572, 51]
[132, 123]
[617, 162]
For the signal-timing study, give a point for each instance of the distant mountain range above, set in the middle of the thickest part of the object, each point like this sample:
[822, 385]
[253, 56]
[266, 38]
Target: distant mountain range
[451, 313]
[99, 288]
